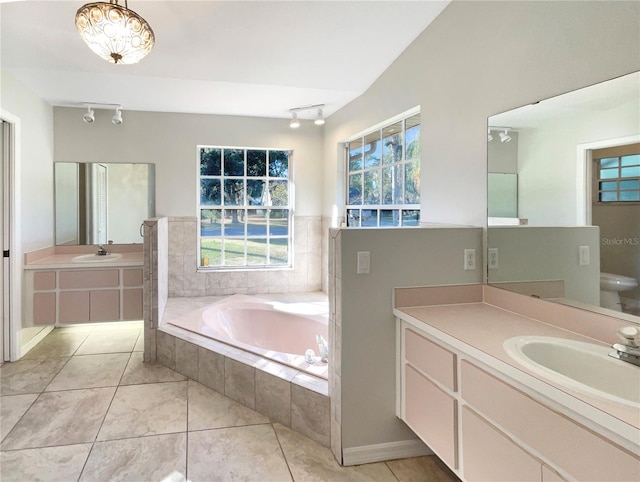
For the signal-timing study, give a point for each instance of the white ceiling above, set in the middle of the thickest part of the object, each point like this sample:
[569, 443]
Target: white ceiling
[254, 58]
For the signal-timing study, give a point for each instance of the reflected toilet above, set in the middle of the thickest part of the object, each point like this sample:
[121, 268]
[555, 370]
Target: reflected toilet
[610, 285]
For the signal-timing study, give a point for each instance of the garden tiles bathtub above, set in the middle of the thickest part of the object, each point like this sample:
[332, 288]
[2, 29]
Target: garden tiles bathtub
[274, 382]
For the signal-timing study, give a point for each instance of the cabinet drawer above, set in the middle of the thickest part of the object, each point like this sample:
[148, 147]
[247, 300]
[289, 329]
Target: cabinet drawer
[431, 414]
[582, 453]
[430, 358]
[490, 455]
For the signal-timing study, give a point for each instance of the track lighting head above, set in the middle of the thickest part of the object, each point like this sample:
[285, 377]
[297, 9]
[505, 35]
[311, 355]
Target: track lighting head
[117, 117]
[489, 135]
[320, 119]
[295, 123]
[89, 117]
[504, 136]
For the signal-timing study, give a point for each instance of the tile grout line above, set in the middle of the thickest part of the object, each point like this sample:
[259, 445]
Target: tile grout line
[286, 461]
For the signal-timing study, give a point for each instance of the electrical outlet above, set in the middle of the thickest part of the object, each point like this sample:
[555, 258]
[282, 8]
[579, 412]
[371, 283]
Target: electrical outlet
[364, 262]
[493, 258]
[469, 259]
[583, 256]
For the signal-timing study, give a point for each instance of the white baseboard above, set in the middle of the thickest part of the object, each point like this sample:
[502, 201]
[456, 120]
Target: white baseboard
[24, 349]
[366, 454]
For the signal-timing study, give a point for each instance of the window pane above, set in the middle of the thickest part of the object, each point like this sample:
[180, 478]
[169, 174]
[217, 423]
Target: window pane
[608, 173]
[631, 184]
[608, 196]
[392, 143]
[234, 192]
[234, 252]
[234, 162]
[210, 222]
[210, 192]
[412, 182]
[392, 185]
[210, 252]
[256, 192]
[632, 160]
[630, 171]
[279, 252]
[389, 217]
[372, 150]
[372, 187]
[608, 162]
[629, 195]
[355, 189]
[355, 155]
[353, 218]
[279, 222]
[233, 224]
[608, 186]
[410, 217]
[257, 251]
[210, 161]
[412, 137]
[256, 163]
[256, 222]
[279, 163]
[369, 217]
[279, 193]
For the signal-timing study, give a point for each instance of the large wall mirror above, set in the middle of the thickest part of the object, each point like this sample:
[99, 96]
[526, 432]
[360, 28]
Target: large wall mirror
[564, 198]
[99, 203]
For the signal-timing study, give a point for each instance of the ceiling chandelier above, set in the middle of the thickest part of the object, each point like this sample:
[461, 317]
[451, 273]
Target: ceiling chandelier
[114, 32]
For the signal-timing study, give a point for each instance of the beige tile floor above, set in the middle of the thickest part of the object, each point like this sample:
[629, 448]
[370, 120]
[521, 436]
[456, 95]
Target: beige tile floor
[83, 406]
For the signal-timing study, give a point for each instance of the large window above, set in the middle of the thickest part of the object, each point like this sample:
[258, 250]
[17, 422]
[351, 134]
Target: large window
[618, 176]
[244, 207]
[383, 176]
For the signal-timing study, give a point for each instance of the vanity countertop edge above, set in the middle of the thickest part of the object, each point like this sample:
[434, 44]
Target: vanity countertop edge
[64, 261]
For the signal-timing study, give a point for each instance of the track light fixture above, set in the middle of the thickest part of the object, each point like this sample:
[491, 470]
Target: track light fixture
[489, 135]
[295, 123]
[504, 136]
[314, 112]
[90, 116]
[117, 117]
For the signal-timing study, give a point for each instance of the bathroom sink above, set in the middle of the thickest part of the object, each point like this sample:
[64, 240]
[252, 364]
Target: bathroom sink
[584, 367]
[94, 258]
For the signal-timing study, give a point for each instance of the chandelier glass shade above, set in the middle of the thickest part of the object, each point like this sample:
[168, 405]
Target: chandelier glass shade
[114, 32]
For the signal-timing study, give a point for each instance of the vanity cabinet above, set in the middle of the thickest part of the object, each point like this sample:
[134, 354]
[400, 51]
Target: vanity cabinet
[62, 296]
[485, 427]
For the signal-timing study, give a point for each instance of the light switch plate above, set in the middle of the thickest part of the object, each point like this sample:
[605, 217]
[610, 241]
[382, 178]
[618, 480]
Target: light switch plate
[364, 262]
[584, 256]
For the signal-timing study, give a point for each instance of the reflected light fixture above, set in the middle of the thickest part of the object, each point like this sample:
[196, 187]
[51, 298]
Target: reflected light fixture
[489, 135]
[90, 116]
[504, 136]
[320, 119]
[114, 32]
[295, 123]
[117, 117]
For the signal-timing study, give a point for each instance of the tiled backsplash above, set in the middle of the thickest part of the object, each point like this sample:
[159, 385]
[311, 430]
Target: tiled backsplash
[186, 280]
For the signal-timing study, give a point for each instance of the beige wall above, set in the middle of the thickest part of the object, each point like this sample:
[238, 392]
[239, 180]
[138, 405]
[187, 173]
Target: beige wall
[170, 141]
[475, 60]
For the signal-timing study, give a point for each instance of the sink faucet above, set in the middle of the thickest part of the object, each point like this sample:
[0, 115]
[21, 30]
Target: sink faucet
[101, 250]
[629, 349]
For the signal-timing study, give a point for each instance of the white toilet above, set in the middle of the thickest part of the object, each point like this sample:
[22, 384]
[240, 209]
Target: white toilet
[610, 286]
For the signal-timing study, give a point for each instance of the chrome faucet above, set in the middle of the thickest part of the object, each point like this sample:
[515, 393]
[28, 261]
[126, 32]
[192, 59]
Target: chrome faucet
[101, 250]
[629, 349]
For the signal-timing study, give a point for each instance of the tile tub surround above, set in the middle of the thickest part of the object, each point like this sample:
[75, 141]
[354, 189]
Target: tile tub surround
[286, 395]
[186, 280]
[207, 424]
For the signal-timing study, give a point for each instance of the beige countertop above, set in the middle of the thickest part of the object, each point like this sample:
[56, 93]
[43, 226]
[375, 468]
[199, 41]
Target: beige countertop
[480, 330]
[57, 261]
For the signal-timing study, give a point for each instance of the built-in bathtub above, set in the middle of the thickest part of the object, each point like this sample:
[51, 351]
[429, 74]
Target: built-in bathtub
[277, 330]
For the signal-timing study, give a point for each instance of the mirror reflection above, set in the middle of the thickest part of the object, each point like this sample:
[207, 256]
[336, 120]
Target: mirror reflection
[570, 228]
[101, 203]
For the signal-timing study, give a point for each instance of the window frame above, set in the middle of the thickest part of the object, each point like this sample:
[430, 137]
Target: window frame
[398, 210]
[246, 207]
[608, 154]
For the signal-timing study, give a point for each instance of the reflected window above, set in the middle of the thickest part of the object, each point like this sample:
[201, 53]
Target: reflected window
[244, 207]
[383, 175]
[617, 177]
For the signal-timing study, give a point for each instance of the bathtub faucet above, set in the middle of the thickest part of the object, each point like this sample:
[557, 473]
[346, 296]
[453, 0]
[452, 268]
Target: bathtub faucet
[323, 347]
